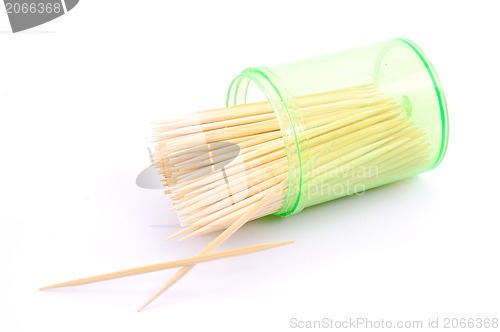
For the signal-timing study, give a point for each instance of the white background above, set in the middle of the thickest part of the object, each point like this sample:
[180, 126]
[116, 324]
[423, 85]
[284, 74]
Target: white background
[76, 99]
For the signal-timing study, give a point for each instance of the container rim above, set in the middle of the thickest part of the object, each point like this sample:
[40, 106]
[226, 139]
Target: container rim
[443, 108]
[289, 121]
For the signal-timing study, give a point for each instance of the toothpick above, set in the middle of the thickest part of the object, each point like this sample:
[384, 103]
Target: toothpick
[217, 241]
[169, 265]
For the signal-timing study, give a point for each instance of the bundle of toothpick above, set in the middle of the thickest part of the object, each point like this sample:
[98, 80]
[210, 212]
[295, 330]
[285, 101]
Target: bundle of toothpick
[226, 167]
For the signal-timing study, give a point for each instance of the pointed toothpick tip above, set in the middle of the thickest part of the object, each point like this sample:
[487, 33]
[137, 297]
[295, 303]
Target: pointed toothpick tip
[44, 288]
[188, 236]
[176, 234]
[170, 237]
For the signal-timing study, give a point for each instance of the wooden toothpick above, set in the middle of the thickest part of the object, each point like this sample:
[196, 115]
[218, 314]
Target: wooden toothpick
[245, 217]
[169, 265]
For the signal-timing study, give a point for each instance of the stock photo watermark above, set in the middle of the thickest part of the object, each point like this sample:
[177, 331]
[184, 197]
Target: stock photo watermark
[232, 175]
[381, 323]
[338, 181]
[26, 14]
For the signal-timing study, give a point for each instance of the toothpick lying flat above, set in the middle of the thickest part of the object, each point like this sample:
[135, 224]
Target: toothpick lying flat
[243, 219]
[169, 265]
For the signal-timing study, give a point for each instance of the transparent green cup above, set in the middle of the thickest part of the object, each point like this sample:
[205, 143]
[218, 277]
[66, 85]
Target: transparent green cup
[397, 68]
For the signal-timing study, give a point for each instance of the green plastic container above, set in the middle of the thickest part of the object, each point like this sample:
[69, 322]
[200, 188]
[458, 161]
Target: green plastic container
[397, 67]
